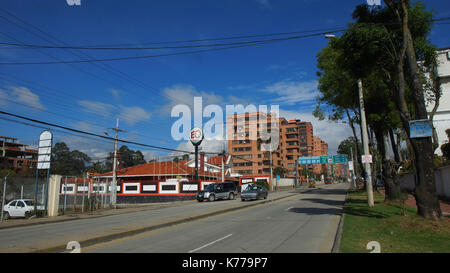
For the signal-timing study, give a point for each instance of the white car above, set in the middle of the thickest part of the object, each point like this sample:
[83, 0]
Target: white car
[18, 208]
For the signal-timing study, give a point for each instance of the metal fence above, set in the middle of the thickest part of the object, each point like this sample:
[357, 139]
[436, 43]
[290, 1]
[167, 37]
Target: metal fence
[78, 194]
[23, 188]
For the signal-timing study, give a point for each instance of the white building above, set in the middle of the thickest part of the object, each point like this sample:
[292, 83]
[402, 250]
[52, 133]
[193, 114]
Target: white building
[441, 119]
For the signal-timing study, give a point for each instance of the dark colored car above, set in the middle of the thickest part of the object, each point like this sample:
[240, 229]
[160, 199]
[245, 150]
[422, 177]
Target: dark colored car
[215, 191]
[254, 192]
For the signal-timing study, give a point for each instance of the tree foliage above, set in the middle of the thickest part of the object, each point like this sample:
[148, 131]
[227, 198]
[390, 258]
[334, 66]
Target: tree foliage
[66, 162]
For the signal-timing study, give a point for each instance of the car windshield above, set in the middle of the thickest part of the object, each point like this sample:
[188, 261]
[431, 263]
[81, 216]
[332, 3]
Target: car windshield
[29, 202]
[210, 187]
[251, 188]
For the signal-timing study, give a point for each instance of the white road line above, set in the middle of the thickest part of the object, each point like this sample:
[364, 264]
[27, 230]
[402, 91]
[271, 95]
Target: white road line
[210, 243]
[289, 208]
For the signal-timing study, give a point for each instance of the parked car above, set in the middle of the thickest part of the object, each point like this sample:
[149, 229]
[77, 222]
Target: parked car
[254, 192]
[19, 208]
[215, 191]
[328, 180]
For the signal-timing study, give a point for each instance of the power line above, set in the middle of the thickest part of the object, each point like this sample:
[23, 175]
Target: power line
[93, 134]
[120, 46]
[229, 46]
[34, 46]
[102, 66]
[166, 54]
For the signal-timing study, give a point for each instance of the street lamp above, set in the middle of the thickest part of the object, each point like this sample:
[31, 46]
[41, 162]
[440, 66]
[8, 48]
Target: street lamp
[4, 195]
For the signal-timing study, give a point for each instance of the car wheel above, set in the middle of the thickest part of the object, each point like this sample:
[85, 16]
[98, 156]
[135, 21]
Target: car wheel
[242, 199]
[200, 200]
[231, 197]
[212, 198]
[265, 197]
[6, 216]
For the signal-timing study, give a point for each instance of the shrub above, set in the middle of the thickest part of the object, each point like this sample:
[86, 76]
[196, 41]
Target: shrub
[265, 184]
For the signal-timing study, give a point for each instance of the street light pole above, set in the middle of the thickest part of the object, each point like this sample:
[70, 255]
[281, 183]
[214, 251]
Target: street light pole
[4, 195]
[369, 189]
[114, 182]
[353, 171]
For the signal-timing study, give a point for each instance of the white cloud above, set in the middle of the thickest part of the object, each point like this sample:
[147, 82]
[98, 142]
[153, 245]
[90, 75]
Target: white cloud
[264, 3]
[292, 92]
[184, 94]
[129, 114]
[149, 155]
[95, 148]
[95, 107]
[3, 97]
[25, 96]
[133, 114]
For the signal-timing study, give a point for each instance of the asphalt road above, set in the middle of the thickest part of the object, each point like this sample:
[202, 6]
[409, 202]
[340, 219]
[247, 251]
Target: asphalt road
[304, 223]
[48, 235]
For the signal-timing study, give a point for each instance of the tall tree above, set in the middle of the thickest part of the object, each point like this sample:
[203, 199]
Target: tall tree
[66, 162]
[128, 157]
[409, 76]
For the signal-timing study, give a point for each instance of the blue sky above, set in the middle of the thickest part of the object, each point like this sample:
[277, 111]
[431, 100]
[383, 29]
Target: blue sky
[85, 96]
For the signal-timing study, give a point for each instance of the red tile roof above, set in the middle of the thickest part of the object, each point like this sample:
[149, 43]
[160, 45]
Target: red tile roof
[161, 168]
[217, 160]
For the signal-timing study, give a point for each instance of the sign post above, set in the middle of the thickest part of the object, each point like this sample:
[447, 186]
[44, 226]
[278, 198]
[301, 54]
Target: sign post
[196, 137]
[420, 128]
[44, 159]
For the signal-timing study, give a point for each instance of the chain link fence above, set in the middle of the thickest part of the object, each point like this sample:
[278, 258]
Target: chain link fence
[23, 188]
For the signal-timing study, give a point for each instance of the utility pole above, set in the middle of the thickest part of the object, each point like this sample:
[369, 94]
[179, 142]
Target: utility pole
[365, 139]
[353, 171]
[223, 154]
[271, 172]
[114, 182]
[4, 195]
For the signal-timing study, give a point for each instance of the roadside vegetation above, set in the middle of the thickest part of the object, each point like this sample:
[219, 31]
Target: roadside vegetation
[397, 229]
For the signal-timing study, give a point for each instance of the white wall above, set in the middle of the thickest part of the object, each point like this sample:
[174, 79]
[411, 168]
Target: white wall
[441, 119]
[442, 180]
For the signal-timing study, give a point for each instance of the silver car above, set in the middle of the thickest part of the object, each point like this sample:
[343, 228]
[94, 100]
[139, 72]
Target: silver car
[254, 192]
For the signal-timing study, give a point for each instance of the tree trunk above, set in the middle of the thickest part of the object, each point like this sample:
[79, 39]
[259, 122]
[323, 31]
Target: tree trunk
[389, 174]
[425, 191]
[359, 168]
[395, 147]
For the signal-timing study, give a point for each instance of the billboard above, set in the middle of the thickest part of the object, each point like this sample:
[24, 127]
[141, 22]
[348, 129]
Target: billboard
[45, 150]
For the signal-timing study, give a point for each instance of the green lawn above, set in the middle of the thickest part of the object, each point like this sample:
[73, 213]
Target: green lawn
[395, 232]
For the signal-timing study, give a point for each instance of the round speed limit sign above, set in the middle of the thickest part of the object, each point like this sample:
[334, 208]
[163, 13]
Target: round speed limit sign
[196, 136]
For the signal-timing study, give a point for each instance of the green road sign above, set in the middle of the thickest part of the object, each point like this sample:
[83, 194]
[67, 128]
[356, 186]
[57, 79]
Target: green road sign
[325, 159]
[340, 159]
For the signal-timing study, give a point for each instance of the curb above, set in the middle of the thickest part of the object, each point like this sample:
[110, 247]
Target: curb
[338, 237]
[110, 237]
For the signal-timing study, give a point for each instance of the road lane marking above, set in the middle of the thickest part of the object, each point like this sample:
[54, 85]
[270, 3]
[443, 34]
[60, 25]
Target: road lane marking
[288, 209]
[223, 238]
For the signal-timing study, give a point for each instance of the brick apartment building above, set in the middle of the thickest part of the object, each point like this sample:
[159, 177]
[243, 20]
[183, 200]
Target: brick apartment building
[296, 139]
[16, 156]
